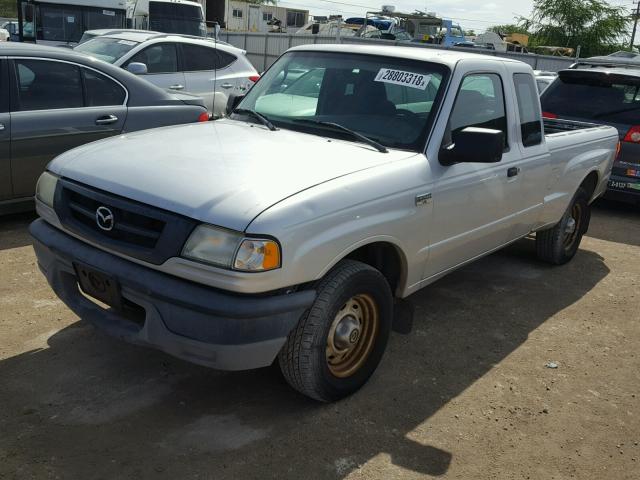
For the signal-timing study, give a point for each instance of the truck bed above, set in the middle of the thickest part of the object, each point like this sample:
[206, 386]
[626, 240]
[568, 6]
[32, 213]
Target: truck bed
[557, 125]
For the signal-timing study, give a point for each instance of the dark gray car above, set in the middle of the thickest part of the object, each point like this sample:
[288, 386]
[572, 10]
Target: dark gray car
[53, 99]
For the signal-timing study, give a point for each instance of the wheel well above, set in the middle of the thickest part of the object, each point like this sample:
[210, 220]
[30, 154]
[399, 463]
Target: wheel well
[590, 183]
[384, 257]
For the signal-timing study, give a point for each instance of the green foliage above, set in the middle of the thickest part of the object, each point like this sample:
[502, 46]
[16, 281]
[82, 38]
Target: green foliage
[470, 33]
[508, 29]
[597, 26]
[8, 8]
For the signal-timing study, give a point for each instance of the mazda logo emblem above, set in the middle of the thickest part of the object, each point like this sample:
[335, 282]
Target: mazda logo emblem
[104, 219]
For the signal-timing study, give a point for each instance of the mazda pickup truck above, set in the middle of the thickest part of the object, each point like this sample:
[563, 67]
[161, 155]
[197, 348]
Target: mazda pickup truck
[347, 179]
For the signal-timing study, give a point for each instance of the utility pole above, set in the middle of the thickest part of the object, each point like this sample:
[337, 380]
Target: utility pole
[635, 24]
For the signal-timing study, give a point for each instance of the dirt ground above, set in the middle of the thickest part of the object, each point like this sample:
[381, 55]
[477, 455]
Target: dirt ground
[467, 395]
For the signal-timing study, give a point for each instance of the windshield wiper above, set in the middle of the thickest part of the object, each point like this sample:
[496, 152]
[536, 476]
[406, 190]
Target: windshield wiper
[258, 116]
[336, 126]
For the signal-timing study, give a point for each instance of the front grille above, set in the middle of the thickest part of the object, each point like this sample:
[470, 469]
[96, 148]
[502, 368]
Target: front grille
[138, 230]
[129, 227]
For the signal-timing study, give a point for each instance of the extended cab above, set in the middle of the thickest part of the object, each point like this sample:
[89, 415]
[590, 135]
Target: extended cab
[348, 178]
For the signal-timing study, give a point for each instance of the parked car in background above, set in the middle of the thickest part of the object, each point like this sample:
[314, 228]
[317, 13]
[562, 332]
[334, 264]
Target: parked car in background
[544, 79]
[180, 63]
[12, 28]
[287, 231]
[53, 99]
[608, 95]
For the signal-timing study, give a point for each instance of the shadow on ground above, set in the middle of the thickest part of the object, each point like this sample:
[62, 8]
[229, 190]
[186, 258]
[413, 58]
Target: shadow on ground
[13, 230]
[621, 225]
[91, 407]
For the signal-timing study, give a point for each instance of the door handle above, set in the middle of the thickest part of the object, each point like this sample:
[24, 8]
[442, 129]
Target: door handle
[513, 171]
[177, 87]
[1, 127]
[106, 120]
[227, 85]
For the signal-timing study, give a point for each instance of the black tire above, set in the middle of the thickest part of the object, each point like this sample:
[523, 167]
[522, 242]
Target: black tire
[304, 358]
[559, 244]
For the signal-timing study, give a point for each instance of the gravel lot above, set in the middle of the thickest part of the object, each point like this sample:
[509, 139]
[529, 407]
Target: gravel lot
[467, 395]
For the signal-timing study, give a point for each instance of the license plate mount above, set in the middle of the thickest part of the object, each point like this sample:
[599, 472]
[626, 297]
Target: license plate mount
[99, 285]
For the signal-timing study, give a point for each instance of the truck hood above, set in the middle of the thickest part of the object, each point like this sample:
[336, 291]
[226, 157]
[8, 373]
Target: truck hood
[224, 173]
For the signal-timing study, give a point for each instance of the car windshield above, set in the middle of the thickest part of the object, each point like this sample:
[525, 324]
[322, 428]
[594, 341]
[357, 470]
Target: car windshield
[106, 48]
[389, 100]
[594, 96]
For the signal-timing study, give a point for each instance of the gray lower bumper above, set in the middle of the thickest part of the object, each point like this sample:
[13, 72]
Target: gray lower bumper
[190, 321]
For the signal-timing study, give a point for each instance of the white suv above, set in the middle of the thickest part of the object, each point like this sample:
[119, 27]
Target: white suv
[178, 62]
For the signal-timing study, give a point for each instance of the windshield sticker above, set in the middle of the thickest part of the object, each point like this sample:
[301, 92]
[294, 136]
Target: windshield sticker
[110, 13]
[398, 77]
[126, 42]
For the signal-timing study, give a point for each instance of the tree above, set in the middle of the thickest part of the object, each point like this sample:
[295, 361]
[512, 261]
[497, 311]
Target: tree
[8, 8]
[595, 25]
[508, 29]
[469, 33]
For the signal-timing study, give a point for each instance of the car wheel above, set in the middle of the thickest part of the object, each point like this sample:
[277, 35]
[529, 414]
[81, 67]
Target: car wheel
[560, 243]
[340, 340]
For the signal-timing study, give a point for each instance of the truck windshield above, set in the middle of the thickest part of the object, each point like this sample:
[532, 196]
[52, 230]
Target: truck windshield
[389, 100]
[106, 48]
[597, 96]
[169, 17]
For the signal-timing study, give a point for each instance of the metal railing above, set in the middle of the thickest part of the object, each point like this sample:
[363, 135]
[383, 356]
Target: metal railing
[264, 48]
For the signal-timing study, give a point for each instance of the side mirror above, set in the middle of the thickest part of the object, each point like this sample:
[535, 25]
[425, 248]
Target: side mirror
[473, 145]
[137, 68]
[232, 102]
[315, 29]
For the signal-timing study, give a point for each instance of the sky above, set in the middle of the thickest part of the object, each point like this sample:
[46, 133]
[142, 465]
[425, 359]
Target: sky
[470, 14]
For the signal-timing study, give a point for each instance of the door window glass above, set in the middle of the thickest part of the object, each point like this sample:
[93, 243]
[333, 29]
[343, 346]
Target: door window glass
[160, 58]
[197, 58]
[479, 103]
[528, 107]
[101, 91]
[224, 59]
[44, 85]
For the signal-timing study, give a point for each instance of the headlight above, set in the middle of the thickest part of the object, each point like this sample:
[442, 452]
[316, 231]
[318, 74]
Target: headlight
[46, 188]
[228, 249]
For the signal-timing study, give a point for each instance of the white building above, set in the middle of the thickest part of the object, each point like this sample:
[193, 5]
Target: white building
[241, 16]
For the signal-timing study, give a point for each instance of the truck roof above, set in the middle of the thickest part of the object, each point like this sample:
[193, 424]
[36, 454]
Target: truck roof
[447, 57]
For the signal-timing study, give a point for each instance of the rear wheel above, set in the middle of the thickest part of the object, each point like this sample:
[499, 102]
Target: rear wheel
[340, 340]
[560, 243]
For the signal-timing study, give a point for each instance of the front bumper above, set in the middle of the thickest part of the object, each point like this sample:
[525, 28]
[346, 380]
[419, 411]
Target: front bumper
[185, 319]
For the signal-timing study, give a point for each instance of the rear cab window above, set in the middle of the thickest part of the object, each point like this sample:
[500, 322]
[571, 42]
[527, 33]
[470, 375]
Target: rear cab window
[528, 109]
[389, 100]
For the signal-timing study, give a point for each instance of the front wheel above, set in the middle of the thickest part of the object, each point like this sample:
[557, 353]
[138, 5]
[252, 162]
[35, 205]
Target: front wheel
[560, 243]
[339, 341]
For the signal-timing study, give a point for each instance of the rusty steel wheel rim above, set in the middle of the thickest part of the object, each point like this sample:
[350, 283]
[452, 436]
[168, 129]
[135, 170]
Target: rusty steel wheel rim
[572, 227]
[352, 335]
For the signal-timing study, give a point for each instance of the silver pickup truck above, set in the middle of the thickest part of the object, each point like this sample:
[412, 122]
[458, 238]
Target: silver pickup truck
[347, 179]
